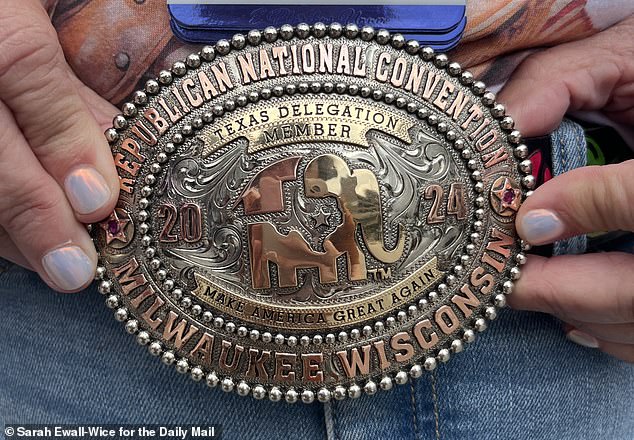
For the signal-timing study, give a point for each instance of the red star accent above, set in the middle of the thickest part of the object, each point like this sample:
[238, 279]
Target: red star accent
[114, 228]
[508, 195]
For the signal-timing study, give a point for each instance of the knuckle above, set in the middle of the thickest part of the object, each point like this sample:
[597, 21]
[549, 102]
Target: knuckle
[32, 208]
[27, 48]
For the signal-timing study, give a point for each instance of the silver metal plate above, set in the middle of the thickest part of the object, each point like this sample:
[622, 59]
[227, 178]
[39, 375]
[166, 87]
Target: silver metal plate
[312, 213]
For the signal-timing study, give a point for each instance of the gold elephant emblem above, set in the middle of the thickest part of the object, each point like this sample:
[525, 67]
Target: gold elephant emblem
[358, 198]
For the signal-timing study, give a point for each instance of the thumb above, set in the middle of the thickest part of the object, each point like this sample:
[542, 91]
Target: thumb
[589, 199]
[596, 73]
[43, 95]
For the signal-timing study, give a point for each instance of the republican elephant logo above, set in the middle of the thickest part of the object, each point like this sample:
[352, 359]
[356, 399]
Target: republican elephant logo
[358, 198]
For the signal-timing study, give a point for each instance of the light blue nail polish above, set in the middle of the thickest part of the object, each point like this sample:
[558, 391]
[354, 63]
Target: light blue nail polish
[68, 267]
[541, 226]
[86, 190]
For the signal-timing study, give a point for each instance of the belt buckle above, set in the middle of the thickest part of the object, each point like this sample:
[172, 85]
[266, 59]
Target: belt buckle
[312, 212]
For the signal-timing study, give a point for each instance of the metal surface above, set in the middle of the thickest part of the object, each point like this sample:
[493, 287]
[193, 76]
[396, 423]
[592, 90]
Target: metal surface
[308, 212]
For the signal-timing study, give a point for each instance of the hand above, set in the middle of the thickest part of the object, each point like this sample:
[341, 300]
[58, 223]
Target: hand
[594, 293]
[56, 170]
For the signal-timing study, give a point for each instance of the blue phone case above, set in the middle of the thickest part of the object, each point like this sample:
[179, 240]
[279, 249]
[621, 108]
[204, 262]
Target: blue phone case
[437, 25]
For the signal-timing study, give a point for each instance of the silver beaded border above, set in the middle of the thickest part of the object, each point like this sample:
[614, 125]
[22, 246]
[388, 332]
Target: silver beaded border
[302, 31]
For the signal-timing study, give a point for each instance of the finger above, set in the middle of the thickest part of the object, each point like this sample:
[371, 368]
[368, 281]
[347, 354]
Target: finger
[618, 333]
[592, 288]
[36, 83]
[589, 199]
[9, 251]
[590, 74]
[620, 350]
[624, 352]
[37, 216]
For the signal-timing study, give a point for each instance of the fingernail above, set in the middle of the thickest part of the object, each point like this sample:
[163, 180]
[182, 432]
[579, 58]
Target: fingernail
[86, 189]
[68, 267]
[541, 226]
[581, 338]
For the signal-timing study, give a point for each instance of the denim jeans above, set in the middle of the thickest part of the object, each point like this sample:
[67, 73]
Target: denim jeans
[64, 359]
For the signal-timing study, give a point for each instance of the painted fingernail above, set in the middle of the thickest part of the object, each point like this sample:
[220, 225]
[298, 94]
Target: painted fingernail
[541, 226]
[68, 267]
[581, 338]
[86, 189]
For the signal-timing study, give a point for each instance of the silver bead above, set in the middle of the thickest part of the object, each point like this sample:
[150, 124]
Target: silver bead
[468, 336]
[182, 366]
[223, 47]
[478, 87]
[416, 371]
[286, 32]
[212, 379]
[490, 313]
[507, 123]
[382, 36]
[386, 383]
[197, 374]
[499, 301]
[430, 364]
[412, 47]
[456, 346]
[179, 68]
[339, 393]
[398, 41]
[111, 135]
[323, 395]
[291, 396]
[302, 30]
[254, 37]
[466, 78]
[121, 314]
[515, 137]
[308, 396]
[168, 358]
[454, 69]
[155, 348]
[498, 110]
[401, 378]
[292, 341]
[152, 87]
[270, 34]
[354, 391]
[441, 60]
[227, 385]
[319, 30]
[132, 326]
[143, 338]
[243, 389]
[370, 388]
[507, 287]
[443, 355]
[193, 60]
[279, 339]
[480, 325]
[351, 30]
[208, 53]
[104, 287]
[335, 30]
[112, 301]
[275, 395]
[367, 33]
[242, 331]
[267, 337]
[259, 392]
[238, 41]
[165, 77]
[427, 53]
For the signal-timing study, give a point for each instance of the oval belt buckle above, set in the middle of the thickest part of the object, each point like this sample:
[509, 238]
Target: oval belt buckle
[312, 212]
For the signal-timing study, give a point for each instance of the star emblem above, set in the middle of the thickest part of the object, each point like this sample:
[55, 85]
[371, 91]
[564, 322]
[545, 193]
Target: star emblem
[506, 196]
[114, 227]
[321, 219]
